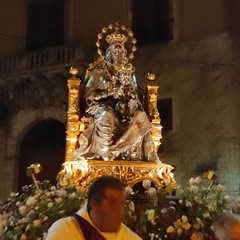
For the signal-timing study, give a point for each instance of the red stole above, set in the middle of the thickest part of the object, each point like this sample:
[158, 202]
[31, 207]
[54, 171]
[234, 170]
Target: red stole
[89, 232]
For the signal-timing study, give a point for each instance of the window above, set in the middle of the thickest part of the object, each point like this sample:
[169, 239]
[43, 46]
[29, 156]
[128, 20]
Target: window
[45, 23]
[152, 20]
[165, 111]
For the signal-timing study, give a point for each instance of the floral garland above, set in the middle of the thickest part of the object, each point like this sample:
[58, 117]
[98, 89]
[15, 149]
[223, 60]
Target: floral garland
[186, 215]
[170, 213]
[28, 215]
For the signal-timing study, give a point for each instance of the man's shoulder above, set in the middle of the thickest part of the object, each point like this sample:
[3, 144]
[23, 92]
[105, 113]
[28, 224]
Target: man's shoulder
[129, 233]
[63, 228]
[62, 221]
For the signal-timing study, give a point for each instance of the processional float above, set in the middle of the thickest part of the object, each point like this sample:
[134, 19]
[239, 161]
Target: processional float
[115, 134]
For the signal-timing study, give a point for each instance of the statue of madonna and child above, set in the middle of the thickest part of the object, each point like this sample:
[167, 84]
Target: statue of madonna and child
[118, 127]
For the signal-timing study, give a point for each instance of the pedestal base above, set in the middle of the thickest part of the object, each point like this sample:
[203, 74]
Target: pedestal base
[82, 173]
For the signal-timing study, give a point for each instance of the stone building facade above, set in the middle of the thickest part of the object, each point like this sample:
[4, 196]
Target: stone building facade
[193, 49]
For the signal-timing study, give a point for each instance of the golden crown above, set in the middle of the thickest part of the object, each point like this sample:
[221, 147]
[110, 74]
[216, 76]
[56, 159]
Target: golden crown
[116, 37]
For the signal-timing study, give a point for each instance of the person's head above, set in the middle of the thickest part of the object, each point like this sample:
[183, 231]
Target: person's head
[227, 227]
[106, 200]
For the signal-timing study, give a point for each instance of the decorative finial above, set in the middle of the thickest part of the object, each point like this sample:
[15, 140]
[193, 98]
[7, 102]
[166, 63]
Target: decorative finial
[32, 170]
[73, 71]
[151, 76]
[210, 174]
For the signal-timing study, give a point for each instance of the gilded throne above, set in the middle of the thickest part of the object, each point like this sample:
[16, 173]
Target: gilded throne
[116, 135]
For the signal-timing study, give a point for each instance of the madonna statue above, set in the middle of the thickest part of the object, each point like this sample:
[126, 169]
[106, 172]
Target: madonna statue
[118, 127]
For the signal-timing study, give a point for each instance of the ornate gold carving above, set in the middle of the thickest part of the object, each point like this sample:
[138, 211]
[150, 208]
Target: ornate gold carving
[81, 173]
[116, 37]
[73, 123]
[153, 114]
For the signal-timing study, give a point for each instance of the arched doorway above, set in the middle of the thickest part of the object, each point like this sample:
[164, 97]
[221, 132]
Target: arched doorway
[44, 143]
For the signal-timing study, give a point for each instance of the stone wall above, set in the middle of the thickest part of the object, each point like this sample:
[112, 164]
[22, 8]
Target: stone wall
[202, 79]
[29, 102]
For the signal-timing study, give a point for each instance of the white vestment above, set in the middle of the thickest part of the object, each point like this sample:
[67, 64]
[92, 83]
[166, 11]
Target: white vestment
[68, 228]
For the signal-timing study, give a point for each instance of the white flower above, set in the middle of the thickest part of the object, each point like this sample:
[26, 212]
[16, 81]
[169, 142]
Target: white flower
[191, 181]
[128, 190]
[28, 226]
[220, 188]
[199, 223]
[152, 191]
[146, 183]
[211, 208]
[152, 236]
[227, 198]
[195, 181]
[23, 210]
[194, 188]
[206, 215]
[62, 211]
[50, 194]
[188, 204]
[172, 208]
[30, 201]
[72, 195]
[58, 200]
[198, 180]
[150, 214]
[44, 235]
[164, 210]
[61, 193]
[131, 206]
[14, 194]
[50, 204]
[198, 199]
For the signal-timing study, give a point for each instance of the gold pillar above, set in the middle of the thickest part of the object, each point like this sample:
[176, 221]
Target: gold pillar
[153, 114]
[73, 115]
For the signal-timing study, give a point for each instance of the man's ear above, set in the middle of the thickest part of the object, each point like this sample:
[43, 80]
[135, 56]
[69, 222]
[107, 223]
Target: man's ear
[93, 204]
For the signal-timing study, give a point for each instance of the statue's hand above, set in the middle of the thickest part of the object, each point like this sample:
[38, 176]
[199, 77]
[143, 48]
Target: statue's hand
[133, 105]
[92, 109]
